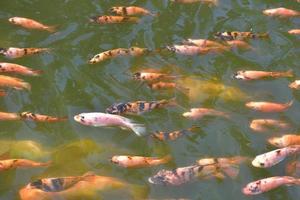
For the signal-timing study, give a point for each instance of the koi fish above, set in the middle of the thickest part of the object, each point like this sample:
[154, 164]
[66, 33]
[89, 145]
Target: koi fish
[214, 2]
[9, 116]
[267, 184]
[30, 24]
[173, 135]
[281, 12]
[133, 51]
[2, 93]
[13, 52]
[295, 85]
[294, 31]
[274, 157]
[285, 140]
[269, 106]
[239, 44]
[151, 76]
[105, 19]
[16, 83]
[198, 113]
[203, 43]
[105, 119]
[262, 125]
[255, 75]
[139, 161]
[235, 35]
[292, 168]
[167, 86]
[129, 11]
[20, 163]
[189, 50]
[41, 118]
[139, 107]
[19, 69]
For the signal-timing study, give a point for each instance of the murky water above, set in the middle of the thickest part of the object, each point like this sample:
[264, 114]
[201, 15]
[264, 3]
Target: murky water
[70, 86]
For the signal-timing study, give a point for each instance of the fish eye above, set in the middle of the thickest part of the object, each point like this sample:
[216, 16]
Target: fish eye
[262, 164]
[137, 74]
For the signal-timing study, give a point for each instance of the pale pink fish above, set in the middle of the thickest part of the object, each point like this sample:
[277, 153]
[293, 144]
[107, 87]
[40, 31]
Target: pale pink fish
[274, 157]
[267, 184]
[98, 119]
[294, 31]
[281, 12]
[13, 52]
[190, 50]
[30, 24]
[262, 125]
[198, 113]
[295, 85]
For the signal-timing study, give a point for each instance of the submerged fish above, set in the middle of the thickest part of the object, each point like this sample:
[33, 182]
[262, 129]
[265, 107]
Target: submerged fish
[16, 83]
[281, 12]
[173, 135]
[274, 157]
[285, 140]
[133, 51]
[30, 24]
[198, 113]
[20, 163]
[267, 184]
[105, 119]
[139, 161]
[294, 31]
[2, 93]
[295, 85]
[190, 50]
[236, 35]
[130, 10]
[203, 43]
[13, 52]
[41, 118]
[152, 76]
[105, 19]
[161, 85]
[19, 69]
[4, 116]
[269, 106]
[293, 168]
[139, 107]
[255, 75]
[239, 44]
[262, 125]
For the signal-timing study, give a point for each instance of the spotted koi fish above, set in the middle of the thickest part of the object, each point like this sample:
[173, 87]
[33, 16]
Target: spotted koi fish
[19, 69]
[293, 168]
[130, 10]
[139, 107]
[139, 161]
[133, 51]
[173, 135]
[274, 157]
[20, 163]
[105, 19]
[285, 140]
[41, 118]
[235, 35]
[16, 83]
[30, 24]
[267, 184]
[281, 12]
[13, 52]
[152, 76]
[256, 75]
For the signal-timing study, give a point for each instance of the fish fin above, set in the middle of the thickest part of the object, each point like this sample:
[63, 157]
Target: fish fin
[24, 85]
[166, 159]
[290, 103]
[289, 73]
[37, 72]
[138, 129]
[232, 171]
[48, 163]
[51, 29]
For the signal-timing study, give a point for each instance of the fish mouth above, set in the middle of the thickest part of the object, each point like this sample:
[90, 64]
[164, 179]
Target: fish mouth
[157, 180]
[258, 164]
[3, 50]
[93, 19]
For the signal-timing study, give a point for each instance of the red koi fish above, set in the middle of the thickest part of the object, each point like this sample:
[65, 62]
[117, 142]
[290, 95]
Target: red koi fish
[19, 69]
[30, 24]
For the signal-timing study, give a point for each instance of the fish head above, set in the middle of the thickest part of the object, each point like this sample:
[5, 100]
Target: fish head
[116, 10]
[94, 19]
[276, 141]
[252, 188]
[3, 50]
[81, 118]
[251, 105]
[218, 35]
[115, 159]
[240, 75]
[97, 58]
[12, 20]
[38, 184]
[137, 76]
[160, 178]
[269, 12]
[187, 114]
[116, 109]
[259, 162]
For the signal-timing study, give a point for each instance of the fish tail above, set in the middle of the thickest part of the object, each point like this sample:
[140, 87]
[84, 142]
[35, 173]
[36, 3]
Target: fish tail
[263, 35]
[166, 159]
[134, 19]
[138, 129]
[289, 73]
[46, 163]
[36, 72]
[289, 104]
[51, 29]
[26, 86]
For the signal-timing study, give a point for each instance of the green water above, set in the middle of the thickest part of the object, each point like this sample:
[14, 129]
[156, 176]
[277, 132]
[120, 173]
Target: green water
[70, 86]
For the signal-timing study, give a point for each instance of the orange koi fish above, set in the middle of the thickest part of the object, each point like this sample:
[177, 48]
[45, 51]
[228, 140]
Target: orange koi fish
[16, 83]
[294, 31]
[267, 184]
[41, 118]
[173, 135]
[129, 11]
[281, 12]
[19, 69]
[285, 140]
[198, 113]
[274, 157]
[167, 86]
[139, 161]
[262, 125]
[133, 51]
[255, 75]
[213, 2]
[20, 163]
[30, 24]
[139, 107]
[295, 85]
[9, 116]
[269, 106]
[203, 43]
[2, 93]
[236, 35]
[105, 19]
[13, 52]
[152, 76]
[293, 168]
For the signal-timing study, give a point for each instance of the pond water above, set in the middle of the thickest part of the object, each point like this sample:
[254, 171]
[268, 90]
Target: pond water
[69, 85]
